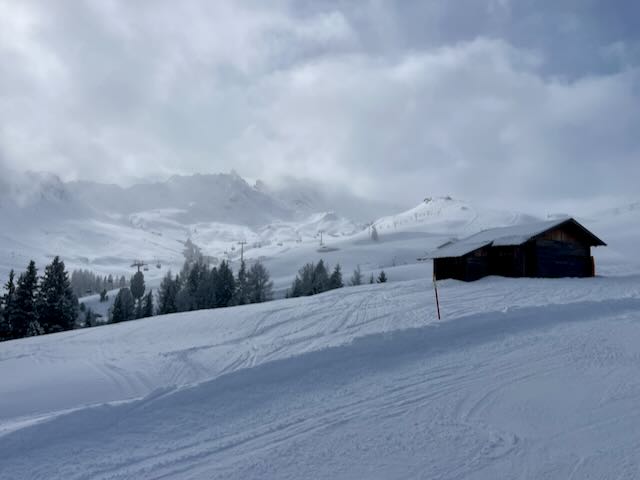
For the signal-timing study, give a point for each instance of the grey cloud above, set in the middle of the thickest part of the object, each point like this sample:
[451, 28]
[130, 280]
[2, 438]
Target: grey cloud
[528, 102]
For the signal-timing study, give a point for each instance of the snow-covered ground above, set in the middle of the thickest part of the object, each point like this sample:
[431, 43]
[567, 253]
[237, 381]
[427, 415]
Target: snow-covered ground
[522, 378]
[527, 378]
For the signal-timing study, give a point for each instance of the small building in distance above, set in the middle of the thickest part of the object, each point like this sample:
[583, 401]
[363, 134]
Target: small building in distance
[552, 249]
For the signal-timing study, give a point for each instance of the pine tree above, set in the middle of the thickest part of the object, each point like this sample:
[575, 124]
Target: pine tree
[57, 305]
[89, 318]
[320, 282]
[296, 288]
[137, 285]
[259, 287]
[203, 292]
[103, 295]
[24, 318]
[306, 276]
[123, 306]
[374, 233]
[335, 280]
[242, 293]
[225, 285]
[7, 308]
[356, 277]
[191, 252]
[382, 278]
[372, 279]
[212, 285]
[167, 295]
[122, 283]
[147, 305]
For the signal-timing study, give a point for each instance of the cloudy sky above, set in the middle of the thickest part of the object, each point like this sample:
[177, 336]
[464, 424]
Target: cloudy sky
[509, 102]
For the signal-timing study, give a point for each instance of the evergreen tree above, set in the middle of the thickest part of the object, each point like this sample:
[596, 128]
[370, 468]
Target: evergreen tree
[212, 285]
[5, 326]
[306, 276]
[24, 318]
[147, 305]
[167, 295]
[89, 318]
[191, 252]
[320, 281]
[103, 295]
[123, 306]
[296, 288]
[356, 277]
[137, 285]
[335, 280]
[122, 283]
[204, 294]
[242, 289]
[374, 233]
[382, 278]
[8, 308]
[57, 305]
[259, 287]
[225, 285]
[372, 279]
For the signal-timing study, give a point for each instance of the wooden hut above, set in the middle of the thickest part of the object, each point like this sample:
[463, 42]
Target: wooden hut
[553, 249]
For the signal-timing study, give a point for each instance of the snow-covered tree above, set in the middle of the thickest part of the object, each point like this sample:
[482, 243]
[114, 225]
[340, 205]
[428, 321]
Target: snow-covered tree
[335, 280]
[259, 286]
[25, 317]
[147, 305]
[167, 295]
[225, 285]
[242, 295]
[57, 305]
[374, 233]
[7, 308]
[123, 306]
[382, 278]
[137, 286]
[356, 277]
[320, 279]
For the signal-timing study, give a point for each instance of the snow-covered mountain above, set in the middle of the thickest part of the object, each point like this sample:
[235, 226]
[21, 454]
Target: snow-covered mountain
[521, 375]
[104, 227]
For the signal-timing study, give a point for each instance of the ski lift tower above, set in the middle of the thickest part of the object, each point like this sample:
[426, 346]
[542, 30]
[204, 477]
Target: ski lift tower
[242, 244]
[138, 264]
[320, 232]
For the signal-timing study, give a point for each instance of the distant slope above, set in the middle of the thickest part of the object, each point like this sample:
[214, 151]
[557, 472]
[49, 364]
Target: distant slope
[445, 215]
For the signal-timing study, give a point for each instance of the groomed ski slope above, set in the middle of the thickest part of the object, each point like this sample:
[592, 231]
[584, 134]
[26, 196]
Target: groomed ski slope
[524, 378]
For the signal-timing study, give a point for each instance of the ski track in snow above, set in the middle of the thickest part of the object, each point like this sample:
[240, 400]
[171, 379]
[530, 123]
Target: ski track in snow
[525, 378]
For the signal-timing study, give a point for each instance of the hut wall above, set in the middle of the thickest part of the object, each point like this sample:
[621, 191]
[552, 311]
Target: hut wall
[470, 267]
[555, 259]
[507, 261]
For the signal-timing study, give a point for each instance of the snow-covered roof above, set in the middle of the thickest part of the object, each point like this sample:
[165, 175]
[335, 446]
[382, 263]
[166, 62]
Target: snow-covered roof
[502, 237]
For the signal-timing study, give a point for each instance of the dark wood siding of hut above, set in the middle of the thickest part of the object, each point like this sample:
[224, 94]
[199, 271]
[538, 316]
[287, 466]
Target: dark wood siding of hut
[471, 266]
[561, 252]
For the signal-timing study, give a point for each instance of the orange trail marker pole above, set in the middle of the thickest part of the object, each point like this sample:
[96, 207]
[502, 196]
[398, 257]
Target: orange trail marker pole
[435, 288]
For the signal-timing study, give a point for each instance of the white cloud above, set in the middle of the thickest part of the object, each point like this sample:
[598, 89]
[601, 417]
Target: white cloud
[105, 90]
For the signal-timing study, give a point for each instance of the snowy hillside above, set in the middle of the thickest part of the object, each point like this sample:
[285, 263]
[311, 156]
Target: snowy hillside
[523, 378]
[105, 227]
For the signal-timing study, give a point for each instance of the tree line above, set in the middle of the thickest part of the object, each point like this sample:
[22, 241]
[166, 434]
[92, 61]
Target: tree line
[86, 282]
[36, 305]
[314, 278]
[199, 286]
